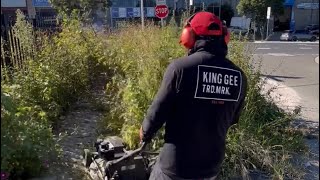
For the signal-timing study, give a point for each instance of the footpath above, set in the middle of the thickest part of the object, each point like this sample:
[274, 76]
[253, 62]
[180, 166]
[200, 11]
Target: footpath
[287, 99]
[78, 130]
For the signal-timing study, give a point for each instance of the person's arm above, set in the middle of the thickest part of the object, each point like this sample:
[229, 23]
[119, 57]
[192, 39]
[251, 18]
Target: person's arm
[242, 101]
[161, 107]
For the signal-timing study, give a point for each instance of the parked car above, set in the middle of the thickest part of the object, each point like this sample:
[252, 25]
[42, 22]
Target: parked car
[315, 32]
[298, 35]
[312, 27]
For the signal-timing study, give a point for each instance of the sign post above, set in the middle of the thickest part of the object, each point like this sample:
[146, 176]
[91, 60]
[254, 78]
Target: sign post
[160, 2]
[268, 18]
[162, 11]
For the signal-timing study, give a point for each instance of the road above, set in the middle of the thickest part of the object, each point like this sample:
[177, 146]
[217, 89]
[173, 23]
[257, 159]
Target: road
[293, 65]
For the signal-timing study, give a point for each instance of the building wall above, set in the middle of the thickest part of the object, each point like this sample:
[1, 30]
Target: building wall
[10, 6]
[303, 17]
[13, 3]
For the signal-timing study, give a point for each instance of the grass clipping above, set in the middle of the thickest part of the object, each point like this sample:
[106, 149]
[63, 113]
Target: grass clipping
[262, 140]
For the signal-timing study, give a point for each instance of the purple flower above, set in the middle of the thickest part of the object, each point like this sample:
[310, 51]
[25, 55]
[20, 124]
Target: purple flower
[46, 163]
[4, 175]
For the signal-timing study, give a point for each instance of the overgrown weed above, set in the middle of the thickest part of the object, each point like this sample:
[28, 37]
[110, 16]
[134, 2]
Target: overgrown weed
[262, 140]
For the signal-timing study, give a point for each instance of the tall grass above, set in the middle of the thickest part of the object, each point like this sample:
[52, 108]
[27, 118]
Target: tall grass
[261, 140]
[62, 68]
[57, 73]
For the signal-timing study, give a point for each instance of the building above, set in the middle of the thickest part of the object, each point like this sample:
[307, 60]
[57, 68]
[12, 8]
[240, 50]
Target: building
[39, 12]
[9, 8]
[298, 14]
[304, 12]
[126, 10]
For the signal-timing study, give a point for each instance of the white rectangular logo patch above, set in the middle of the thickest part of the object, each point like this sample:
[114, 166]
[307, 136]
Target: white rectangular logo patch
[218, 83]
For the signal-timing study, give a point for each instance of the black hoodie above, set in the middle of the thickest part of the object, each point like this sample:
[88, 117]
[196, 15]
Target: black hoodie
[200, 97]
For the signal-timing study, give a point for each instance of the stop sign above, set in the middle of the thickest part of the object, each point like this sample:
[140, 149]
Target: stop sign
[162, 11]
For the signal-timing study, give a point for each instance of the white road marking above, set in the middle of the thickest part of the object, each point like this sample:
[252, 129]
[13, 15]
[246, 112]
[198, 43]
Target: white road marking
[279, 54]
[305, 48]
[263, 48]
[313, 45]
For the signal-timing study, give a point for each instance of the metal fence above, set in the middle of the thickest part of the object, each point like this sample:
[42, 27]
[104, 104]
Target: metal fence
[13, 54]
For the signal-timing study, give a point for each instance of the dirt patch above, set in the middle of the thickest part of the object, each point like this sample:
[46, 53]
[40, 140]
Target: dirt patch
[76, 131]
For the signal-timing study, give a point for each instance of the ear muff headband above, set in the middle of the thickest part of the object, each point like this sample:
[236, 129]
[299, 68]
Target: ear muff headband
[190, 19]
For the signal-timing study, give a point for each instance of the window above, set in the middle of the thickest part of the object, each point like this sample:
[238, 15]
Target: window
[133, 3]
[124, 3]
[206, 2]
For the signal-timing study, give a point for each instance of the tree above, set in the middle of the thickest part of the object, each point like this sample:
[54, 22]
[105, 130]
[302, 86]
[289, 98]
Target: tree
[83, 6]
[257, 9]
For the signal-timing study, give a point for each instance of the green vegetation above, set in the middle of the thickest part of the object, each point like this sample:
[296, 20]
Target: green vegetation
[258, 9]
[61, 69]
[262, 139]
[67, 7]
[54, 77]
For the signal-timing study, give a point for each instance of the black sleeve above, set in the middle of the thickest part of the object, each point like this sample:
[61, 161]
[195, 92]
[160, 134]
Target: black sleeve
[162, 105]
[241, 100]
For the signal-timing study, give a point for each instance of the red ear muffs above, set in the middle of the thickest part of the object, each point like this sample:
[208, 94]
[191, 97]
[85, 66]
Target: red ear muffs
[226, 34]
[188, 37]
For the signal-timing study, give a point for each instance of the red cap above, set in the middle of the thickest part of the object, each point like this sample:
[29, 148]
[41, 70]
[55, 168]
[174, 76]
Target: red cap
[202, 20]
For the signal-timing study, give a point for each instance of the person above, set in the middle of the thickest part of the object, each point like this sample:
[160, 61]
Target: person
[200, 97]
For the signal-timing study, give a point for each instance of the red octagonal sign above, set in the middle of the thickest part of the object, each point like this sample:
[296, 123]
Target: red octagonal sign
[162, 11]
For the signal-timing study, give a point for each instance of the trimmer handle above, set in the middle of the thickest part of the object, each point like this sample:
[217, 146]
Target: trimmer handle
[130, 154]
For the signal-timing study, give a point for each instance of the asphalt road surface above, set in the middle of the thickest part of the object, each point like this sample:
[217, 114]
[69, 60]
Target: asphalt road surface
[287, 48]
[293, 65]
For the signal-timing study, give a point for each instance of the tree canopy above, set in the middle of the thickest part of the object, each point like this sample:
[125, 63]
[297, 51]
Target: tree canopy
[257, 9]
[84, 6]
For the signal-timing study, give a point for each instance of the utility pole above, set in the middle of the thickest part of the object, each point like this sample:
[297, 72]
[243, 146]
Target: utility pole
[268, 18]
[142, 13]
[220, 9]
[190, 5]
[311, 12]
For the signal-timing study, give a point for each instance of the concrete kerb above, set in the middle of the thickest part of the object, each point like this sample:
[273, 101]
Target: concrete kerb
[283, 96]
[317, 60]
